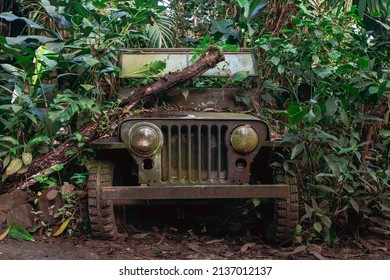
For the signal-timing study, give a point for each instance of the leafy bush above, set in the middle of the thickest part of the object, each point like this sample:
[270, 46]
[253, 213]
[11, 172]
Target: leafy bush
[62, 70]
[329, 77]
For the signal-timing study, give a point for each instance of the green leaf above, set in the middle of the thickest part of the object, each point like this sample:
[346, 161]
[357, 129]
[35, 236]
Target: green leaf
[255, 7]
[363, 62]
[16, 108]
[355, 205]
[256, 202]
[150, 69]
[240, 76]
[373, 89]
[323, 72]
[317, 226]
[296, 113]
[13, 70]
[297, 149]
[331, 106]
[281, 68]
[31, 117]
[326, 136]
[345, 150]
[334, 55]
[325, 188]
[348, 188]
[221, 26]
[381, 89]
[24, 39]
[70, 152]
[362, 7]
[9, 139]
[325, 219]
[11, 17]
[330, 235]
[275, 60]
[376, 14]
[310, 118]
[18, 232]
[288, 30]
[77, 20]
[298, 229]
[315, 58]
[384, 133]
[38, 140]
[344, 118]
[334, 167]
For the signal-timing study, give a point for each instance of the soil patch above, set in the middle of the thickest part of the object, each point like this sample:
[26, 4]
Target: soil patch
[188, 233]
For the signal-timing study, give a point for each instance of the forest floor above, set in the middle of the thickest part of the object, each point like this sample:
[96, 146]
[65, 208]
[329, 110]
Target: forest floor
[190, 233]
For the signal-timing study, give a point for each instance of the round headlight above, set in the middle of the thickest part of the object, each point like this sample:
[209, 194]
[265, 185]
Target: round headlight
[145, 139]
[244, 139]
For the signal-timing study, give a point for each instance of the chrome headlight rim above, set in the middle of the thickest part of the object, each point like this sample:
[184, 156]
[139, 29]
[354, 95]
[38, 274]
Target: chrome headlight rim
[155, 147]
[244, 139]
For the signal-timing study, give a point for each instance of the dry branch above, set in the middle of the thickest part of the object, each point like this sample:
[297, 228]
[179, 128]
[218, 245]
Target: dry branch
[44, 165]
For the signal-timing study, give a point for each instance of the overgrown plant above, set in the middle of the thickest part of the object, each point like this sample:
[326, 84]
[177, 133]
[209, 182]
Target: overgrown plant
[329, 77]
[62, 70]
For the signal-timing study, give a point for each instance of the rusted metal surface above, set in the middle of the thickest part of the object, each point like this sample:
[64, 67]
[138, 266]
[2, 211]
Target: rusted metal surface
[127, 194]
[197, 99]
[196, 149]
[211, 98]
[176, 59]
[109, 143]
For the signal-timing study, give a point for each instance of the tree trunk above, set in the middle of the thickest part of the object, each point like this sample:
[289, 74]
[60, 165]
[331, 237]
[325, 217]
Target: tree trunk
[61, 155]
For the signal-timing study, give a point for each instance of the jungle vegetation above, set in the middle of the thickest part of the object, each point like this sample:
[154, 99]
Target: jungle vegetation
[324, 68]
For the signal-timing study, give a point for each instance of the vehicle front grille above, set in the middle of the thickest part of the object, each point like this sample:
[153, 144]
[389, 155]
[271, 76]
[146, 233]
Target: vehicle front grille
[194, 154]
[196, 150]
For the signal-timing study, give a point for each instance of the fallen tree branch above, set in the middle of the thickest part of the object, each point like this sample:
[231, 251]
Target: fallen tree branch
[61, 156]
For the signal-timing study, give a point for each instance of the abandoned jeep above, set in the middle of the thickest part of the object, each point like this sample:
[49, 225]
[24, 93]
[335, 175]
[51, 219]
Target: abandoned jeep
[202, 154]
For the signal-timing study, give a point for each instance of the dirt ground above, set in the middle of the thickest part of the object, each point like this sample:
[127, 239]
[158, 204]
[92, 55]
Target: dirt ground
[188, 233]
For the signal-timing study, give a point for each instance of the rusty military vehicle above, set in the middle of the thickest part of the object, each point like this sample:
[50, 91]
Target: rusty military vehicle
[191, 155]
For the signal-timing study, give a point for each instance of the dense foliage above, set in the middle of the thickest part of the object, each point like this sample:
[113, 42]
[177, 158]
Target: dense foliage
[324, 78]
[330, 77]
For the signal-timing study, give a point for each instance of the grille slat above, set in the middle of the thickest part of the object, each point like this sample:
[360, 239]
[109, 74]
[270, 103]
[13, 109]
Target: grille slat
[209, 152]
[199, 154]
[219, 146]
[179, 154]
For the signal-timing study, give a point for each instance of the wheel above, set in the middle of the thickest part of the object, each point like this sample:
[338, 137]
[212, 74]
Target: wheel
[101, 213]
[280, 216]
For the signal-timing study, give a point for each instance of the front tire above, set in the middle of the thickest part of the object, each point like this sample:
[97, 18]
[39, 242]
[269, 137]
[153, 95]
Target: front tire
[101, 212]
[280, 216]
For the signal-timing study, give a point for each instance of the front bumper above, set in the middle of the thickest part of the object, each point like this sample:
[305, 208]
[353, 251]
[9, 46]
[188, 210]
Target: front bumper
[123, 195]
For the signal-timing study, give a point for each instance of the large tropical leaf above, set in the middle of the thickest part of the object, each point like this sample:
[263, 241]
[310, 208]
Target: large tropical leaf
[160, 33]
[251, 7]
[10, 17]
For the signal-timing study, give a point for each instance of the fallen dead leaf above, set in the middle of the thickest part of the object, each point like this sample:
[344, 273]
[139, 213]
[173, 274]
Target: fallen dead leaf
[299, 249]
[318, 255]
[140, 235]
[374, 242]
[366, 245]
[68, 188]
[195, 247]
[228, 254]
[384, 249]
[247, 246]
[215, 241]
[4, 234]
